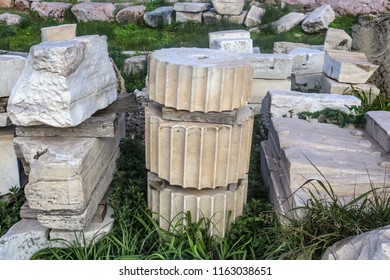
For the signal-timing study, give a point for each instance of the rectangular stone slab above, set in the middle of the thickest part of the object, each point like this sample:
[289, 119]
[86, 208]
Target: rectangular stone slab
[9, 171]
[271, 66]
[225, 35]
[307, 61]
[60, 32]
[260, 88]
[378, 126]
[11, 67]
[348, 67]
[234, 45]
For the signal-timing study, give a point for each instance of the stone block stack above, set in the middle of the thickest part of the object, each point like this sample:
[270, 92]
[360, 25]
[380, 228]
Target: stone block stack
[68, 150]
[198, 135]
[11, 67]
[344, 69]
[235, 41]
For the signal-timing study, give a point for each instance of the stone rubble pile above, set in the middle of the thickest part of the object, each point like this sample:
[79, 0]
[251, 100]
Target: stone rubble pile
[198, 133]
[68, 150]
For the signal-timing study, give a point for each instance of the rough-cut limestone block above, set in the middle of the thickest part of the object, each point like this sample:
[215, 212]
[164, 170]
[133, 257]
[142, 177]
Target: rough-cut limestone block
[135, 64]
[234, 45]
[306, 82]
[280, 103]
[72, 220]
[190, 7]
[212, 17]
[236, 19]
[307, 61]
[329, 85]
[186, 16]
[159, 16]
[4, 120]
[228, 7]
[227, 35]
[55, 10]
[319, 19]
[89, 235]
[94, 11]
[287, 47]
[22, 5]
[198, 155]
[337, 39]
[288, 22]
[171, 203]
[63, 83]
[253, 18]
[378, 126]
[9, 171]
[23, 240]
[271, 66]
[371, 245]
[59, 32]
[10, 19]
[348, 67]
[196, 79]
[11, 66]
[131, 14]
[260, 88]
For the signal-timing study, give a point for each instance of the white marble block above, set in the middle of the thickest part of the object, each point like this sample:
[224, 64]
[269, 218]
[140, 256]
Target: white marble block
[235, 45]
[288, 22]
[195, 79]
[187, 16]
[348, 67]
[63, 83]
[228, 7]
[9, 171]
[307, 61]
[337, 39]
[227, 35]
[319, 19]
[271, 66]
[11, 67]
[260, 88]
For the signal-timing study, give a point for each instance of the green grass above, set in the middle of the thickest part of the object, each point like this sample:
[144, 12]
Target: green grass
[10, 207]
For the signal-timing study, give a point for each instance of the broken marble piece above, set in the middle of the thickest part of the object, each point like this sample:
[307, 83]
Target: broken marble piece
[59, 32]
[9, 170]
[11, 67]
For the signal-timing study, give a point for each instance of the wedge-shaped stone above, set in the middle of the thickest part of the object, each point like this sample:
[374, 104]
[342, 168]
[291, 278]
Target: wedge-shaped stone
[307, 61]
[198, 155]
[63, 173]
[288, 22]
[329, 85]
[202, 80]
[337, 39]
[59, 32]
[253, 18]
[235, 45]
[227, 35]
[221, 206]
[283, 103]
[378, 126]
[63, 83]
[348, 67]
[11, 67]
[271, 66]
[319, 19]
[9, 171]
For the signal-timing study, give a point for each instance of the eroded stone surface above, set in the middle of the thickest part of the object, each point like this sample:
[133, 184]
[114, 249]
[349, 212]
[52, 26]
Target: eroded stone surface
[337, 39]
[9, 171]
[59, 32]
[212, 17]
[159, 16]
[234, 45]
[198, 155]
[61, 94]
[288, 22]
[227, 35]
[228, 7]
[11, 67]
[10, 19]
[195, 79]
[348, 67]
[307, 61]
[221, 206]
[4, 120]
[51, 9]
[253, 18]
[319, 19]
[135, 64]
[307, 82]
[94, 11]
[131, 14]
[271, 66]
[260, 88]
[378, 126]
[191, 7]
[187, 16]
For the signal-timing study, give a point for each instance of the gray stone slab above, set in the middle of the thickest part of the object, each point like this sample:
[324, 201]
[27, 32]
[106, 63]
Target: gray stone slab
[9, 171]
[271, 66]
[191, 7]
[319, 19]
[288, 22]
[378, 126]
[307, 61]
[187, 16]
[159, 16]
[11, 67]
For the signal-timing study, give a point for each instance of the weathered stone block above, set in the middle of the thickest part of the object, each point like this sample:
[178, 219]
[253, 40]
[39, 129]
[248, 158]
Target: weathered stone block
[59, 32]
[236, 19]
[135, 65]
[61, 94]
[11, 67]
[234, 45]
[287, 47]
[211, 17]
[51, 9]
[89, 11]
[378, 126]
[195, 79]
[4, 120]
[348, 67]
[10, 19]
[253, 18]
[306, 82]
[22, 5]
[227, 35]
[190, 7]
[198, 155]
[319, 19]
[159, 16]
[9, 171]
[228, 7]
[288, 22]
[131, 14]
[220, 206]
[307, 61]
[187, 16]
[337, 39]
[271, 66]
[329, 85]
[260, 88]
